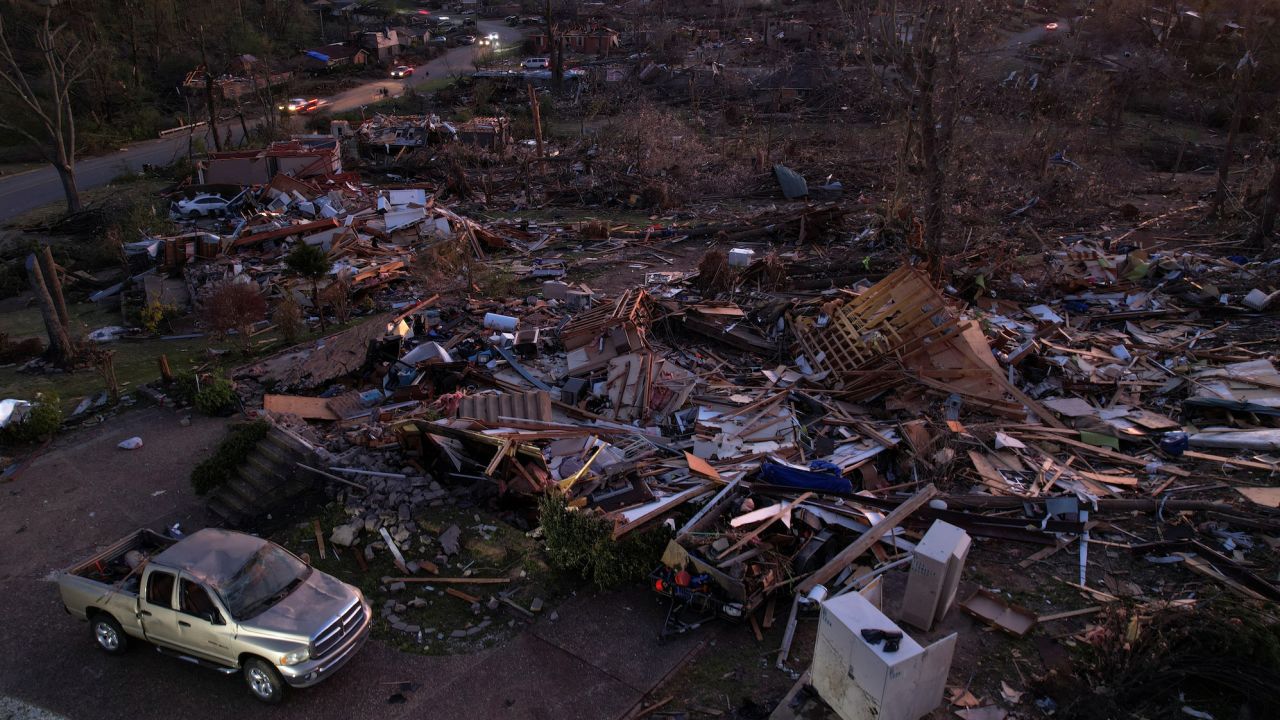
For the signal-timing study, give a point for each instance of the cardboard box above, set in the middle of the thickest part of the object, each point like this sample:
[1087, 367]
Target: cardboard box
[861, 681]
[935, 574]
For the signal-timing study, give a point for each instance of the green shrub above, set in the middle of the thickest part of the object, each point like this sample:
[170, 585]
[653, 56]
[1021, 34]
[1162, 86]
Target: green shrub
[582, 542]
[156, 313]
[216, 397]
[43, 421]
[210, 394]
[232, 452]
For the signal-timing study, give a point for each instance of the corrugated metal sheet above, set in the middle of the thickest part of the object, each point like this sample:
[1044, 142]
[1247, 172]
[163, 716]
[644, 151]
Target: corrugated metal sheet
[488, 407]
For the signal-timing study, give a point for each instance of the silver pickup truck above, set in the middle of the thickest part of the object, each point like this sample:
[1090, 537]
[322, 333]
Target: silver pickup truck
[224, 600]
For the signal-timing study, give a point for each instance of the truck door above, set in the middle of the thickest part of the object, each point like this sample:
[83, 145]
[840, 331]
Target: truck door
[156, 608]
[202, 624]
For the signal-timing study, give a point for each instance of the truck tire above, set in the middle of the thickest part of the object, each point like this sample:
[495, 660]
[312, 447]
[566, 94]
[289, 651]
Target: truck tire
[265, 683]
[108, 634]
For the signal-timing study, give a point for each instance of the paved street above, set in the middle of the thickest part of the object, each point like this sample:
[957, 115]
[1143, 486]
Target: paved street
[456, 62]
[27, 191]
[595, 662]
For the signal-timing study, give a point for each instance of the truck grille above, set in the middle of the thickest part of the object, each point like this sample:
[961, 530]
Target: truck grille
[333, 635]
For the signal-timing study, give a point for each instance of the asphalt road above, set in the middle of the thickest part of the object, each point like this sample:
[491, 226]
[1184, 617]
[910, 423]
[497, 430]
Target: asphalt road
[455, 62]
[36, 188]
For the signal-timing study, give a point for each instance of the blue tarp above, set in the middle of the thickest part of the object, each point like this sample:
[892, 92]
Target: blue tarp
[823, 477]
[319, 56]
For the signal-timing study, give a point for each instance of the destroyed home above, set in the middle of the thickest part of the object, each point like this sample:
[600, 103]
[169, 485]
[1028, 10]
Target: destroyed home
[301, 157]
[334, 55]
[818, 361]
[383, 45]
[596, 40]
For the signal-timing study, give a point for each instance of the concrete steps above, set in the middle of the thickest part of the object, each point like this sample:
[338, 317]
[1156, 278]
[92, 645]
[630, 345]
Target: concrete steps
[267, 479]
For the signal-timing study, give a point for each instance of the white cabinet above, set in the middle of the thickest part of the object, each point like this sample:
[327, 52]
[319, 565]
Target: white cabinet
[861, 681]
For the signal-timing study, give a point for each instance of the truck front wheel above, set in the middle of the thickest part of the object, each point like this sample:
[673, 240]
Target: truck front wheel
[108, 634]
[264, 682]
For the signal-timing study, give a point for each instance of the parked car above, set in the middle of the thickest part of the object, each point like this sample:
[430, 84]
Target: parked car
[536, 63]
[490, 40]
[468, 22]
[223, 600]
[199, 206]
[401, 71]
[467, 40]
[512, 20]
[298, 106]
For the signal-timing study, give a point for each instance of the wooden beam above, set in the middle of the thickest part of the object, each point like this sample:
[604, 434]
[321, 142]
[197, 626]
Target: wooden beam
[1068, 614]
[315, 525]
[465, 597]
[778, 514]
[661, 509]
[867, 539]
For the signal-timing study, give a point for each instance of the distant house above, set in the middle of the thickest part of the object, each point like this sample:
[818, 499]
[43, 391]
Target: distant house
[335, 56]
[383, 45]
[500, 10]
[334, 8]
[414, 36]
[487, 132]
[243, 75]
[598, 40]
[301, 157]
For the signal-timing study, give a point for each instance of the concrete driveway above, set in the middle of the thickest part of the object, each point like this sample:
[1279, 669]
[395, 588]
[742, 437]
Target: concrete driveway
[596, 661]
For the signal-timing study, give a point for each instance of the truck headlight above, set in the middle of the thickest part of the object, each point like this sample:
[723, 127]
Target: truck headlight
[295, 657]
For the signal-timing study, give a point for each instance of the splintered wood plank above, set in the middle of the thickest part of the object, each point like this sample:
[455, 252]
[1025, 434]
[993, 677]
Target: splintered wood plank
[315, 525]
[867, 539]
[1267, 496]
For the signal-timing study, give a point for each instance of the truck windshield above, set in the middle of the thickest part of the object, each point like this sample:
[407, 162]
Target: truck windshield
[268, 577]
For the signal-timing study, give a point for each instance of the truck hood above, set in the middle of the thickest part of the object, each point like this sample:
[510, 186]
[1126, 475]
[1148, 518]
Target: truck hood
[310, 608]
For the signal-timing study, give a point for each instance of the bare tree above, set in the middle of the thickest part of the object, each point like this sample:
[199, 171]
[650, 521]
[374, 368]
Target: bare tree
[1241, 77]
[61, 350]
[49, 108]
[937, 94]
[1270, 203]
[210, 93]
[555, 47]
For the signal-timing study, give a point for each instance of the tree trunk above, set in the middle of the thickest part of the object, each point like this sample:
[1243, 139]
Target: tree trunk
[67, 174]
[554, 49]
[210, 98]
[1224, 167]
[211, 104]
[54, 285]
[1270, 206]
[315, 301]
[59, 343]
[930, 151]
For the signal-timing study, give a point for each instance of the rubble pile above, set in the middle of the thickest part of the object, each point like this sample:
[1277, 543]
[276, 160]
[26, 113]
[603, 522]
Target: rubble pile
[1059, 405]
[796, 423]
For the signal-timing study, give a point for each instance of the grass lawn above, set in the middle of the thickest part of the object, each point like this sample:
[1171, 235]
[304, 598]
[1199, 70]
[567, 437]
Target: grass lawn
[136, 360]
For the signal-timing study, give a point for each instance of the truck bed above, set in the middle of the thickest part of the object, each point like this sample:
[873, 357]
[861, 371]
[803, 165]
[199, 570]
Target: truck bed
[104, 581]
[109, 566]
